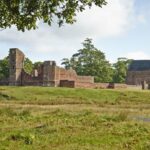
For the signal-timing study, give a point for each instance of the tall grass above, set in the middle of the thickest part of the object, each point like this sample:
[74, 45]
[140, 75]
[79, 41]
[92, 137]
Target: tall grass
[46, 95]
[90, 119]
[62, 129]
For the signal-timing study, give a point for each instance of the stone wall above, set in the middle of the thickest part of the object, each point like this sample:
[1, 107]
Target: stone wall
[4, 81]
[29, 80]
[101, 85]
[137, 77]
[74, 84]
[84, 85]
[48, 74]
[69, 75]
[66, 83]
[117, 86]
[85, 79]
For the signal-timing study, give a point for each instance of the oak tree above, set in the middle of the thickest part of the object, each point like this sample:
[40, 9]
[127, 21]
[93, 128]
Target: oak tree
[25, 13]
[4, 68]
[90, 61]
[120, 70]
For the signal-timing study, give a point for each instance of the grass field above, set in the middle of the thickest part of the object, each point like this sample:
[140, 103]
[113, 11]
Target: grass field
[42, 118]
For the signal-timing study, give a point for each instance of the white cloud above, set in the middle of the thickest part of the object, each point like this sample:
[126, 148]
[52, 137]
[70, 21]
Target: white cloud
[112, 20]
[142, 18]
[138, 55]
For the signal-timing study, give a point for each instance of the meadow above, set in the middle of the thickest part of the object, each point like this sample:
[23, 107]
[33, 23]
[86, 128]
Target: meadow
[37, 118]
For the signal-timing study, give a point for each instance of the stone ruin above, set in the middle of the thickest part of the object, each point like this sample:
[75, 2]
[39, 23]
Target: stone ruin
[138, 73]
[47, 74]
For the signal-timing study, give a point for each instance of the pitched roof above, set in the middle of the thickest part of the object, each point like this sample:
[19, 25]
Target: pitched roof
[139, 65]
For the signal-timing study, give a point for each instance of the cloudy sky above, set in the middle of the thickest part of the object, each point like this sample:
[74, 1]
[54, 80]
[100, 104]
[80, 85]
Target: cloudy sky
[120, 29]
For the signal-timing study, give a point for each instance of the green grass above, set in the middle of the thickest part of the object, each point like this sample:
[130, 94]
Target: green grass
[46, 95]
[36, 118]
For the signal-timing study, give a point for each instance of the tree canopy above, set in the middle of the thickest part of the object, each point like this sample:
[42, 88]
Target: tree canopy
[25, 13]
[120, 70]
[37, 64]
[90, 61]
[28, 66]
[4, 68]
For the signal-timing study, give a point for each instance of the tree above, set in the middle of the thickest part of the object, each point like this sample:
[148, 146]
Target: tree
[25, 13]
[28, 66]
[37, 64]
[90, 61]
[120, 70]
[4, 68]
[66, 62]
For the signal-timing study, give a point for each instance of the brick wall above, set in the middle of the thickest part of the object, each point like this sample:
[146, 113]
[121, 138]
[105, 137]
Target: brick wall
[66, 83]
[31, 81]
[4, 81]
[49, 74]
[73, 84]
[136, 77]
[84, 85]
[117, 86]
[101, 85]
[85, 79]
[67, 74]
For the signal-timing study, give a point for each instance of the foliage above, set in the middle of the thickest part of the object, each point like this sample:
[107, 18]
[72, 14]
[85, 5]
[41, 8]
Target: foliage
[120, 70]
[4, 68]
[37, 64]
[28, 66]
[25, 13]
[91, 62]
[67, 63]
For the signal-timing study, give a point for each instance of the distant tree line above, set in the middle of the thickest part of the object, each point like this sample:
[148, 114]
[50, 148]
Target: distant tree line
[88, 61]
[91, 61]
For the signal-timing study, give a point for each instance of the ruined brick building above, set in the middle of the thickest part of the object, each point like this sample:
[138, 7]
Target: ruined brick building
[47, 74]
[138, 72]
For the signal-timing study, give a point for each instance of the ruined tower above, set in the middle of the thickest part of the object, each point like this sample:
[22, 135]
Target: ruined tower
[16, 59]
[50, 74]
